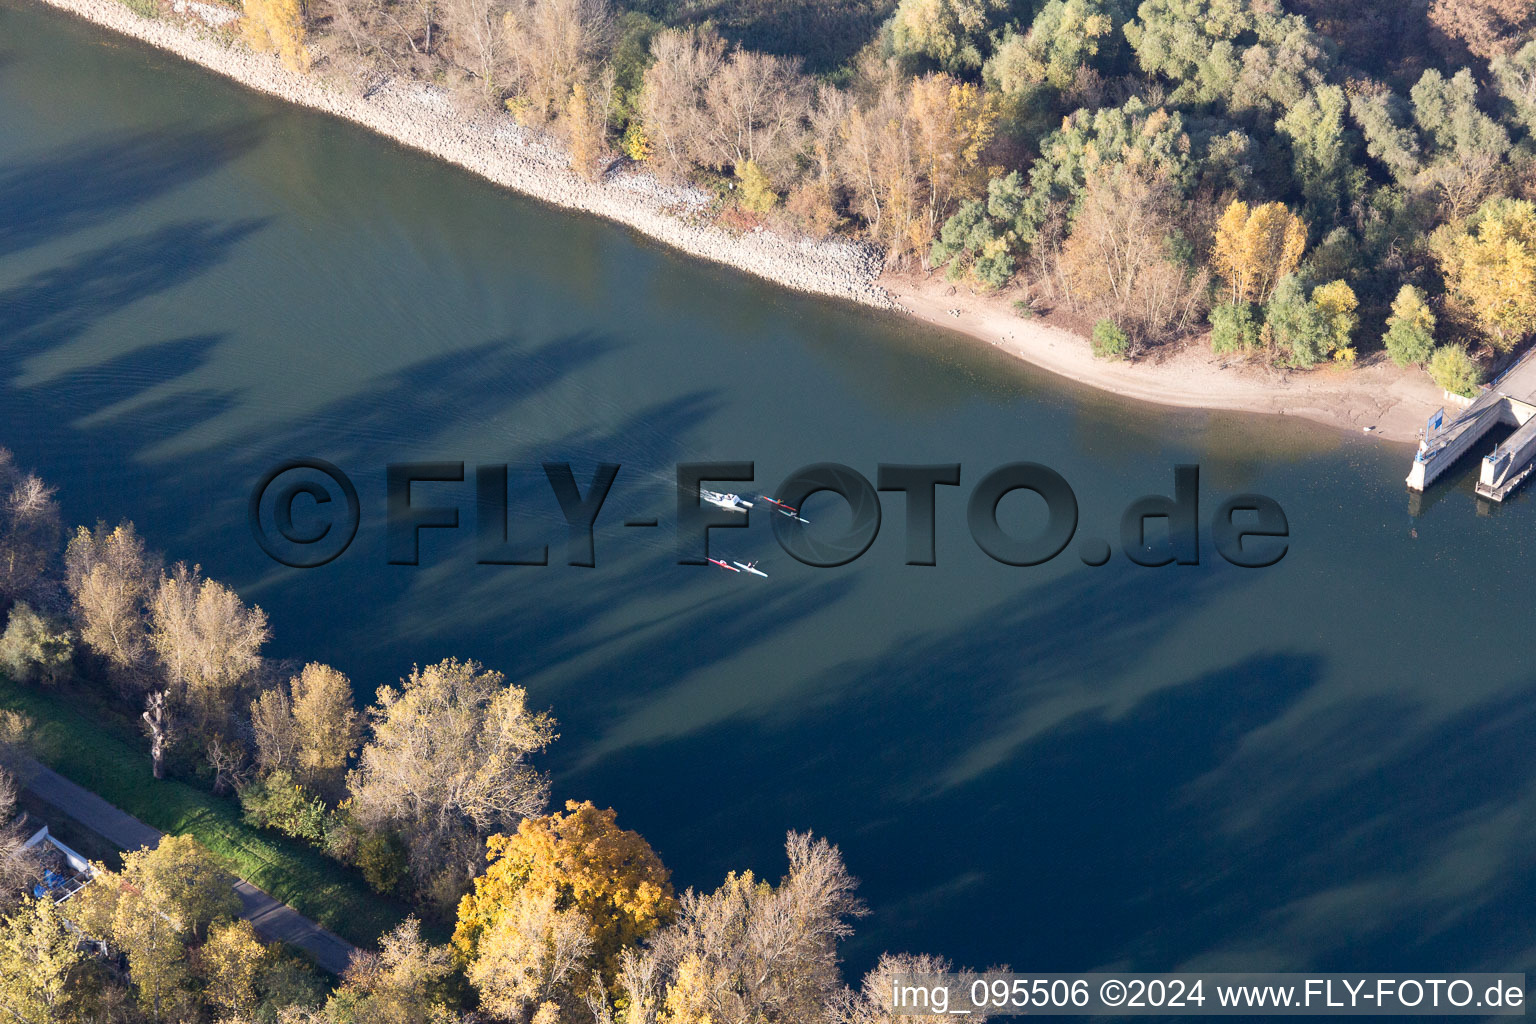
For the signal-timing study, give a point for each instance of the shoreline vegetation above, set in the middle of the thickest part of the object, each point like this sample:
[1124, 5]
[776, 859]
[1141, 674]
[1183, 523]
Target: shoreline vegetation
[1287, 342]
[420, 827]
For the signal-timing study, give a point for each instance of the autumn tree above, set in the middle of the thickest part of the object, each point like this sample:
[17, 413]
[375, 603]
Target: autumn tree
[755, 107]
[110, 577]
[402, 983]
[750, 952]
[561, 899]
[310, 728]
[683, 63]
[1491, 265]
[480, 37]
[1488, 28]
[29, 530]
[447, 765]
[1337, 303]
[1118, 262]
[231, 964]
[41, 966]
[552, 45]
[1410, 336]
[208, 643]
[1255, 248]
[586, 125]
[163, 900]
[20, 867]
[911, 153]
[703, 104]
[277, 26]
[872, 1002]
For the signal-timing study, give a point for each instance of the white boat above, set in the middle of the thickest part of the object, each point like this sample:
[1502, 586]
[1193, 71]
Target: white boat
[729, 502]
[750, 567]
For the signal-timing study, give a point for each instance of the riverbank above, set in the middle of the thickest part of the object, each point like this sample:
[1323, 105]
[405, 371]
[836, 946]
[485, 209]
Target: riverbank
[493, 146]
[1392, 402]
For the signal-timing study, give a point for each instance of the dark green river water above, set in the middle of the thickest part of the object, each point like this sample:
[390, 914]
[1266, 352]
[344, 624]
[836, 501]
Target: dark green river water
[1324, 764]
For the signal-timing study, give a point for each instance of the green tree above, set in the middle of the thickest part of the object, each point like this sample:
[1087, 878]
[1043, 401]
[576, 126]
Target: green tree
[1109, 341]
[950, 33]
[1322, 152]
[984, 237]
[1066, 36]
[1514, 77]
[1455, 370]
[1410, 336]
[1234, 328]
[1441, 140]
[1246, 54]
[35, 648]
[1152, 138]
[279, 801]
[1303, 333]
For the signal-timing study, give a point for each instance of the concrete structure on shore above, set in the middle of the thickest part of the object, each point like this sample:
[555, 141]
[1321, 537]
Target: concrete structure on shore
[1510, 400]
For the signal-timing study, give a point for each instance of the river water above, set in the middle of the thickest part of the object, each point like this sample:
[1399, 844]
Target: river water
[1323, 764]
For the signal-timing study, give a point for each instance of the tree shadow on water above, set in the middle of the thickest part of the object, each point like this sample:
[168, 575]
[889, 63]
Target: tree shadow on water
[56, 305]
[85, 183]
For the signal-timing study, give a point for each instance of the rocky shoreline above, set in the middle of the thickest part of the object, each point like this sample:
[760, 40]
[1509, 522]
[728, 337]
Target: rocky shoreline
[496, 148]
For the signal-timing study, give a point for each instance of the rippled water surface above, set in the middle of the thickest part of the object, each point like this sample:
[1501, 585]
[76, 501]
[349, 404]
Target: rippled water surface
[1324, 764]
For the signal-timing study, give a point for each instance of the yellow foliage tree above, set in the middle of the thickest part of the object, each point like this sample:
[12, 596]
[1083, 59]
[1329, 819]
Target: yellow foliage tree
[757, 192]
[230, 963]
[163, 899]
[1492, 266]
[1336, 301]
[578, 862]
[951, 123]
[277, 25]
[40, 964]
[1256, 247]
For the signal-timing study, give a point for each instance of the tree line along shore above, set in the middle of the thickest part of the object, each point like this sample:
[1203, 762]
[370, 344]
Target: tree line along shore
[487, 906]
[1296, 184]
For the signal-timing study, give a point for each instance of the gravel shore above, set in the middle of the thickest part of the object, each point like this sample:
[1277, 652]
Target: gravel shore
[495, 147]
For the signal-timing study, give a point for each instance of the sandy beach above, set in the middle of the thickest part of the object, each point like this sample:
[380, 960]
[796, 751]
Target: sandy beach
[1376, 395]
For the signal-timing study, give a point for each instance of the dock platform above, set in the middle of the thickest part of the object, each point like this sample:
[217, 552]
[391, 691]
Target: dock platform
[1509, 400]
